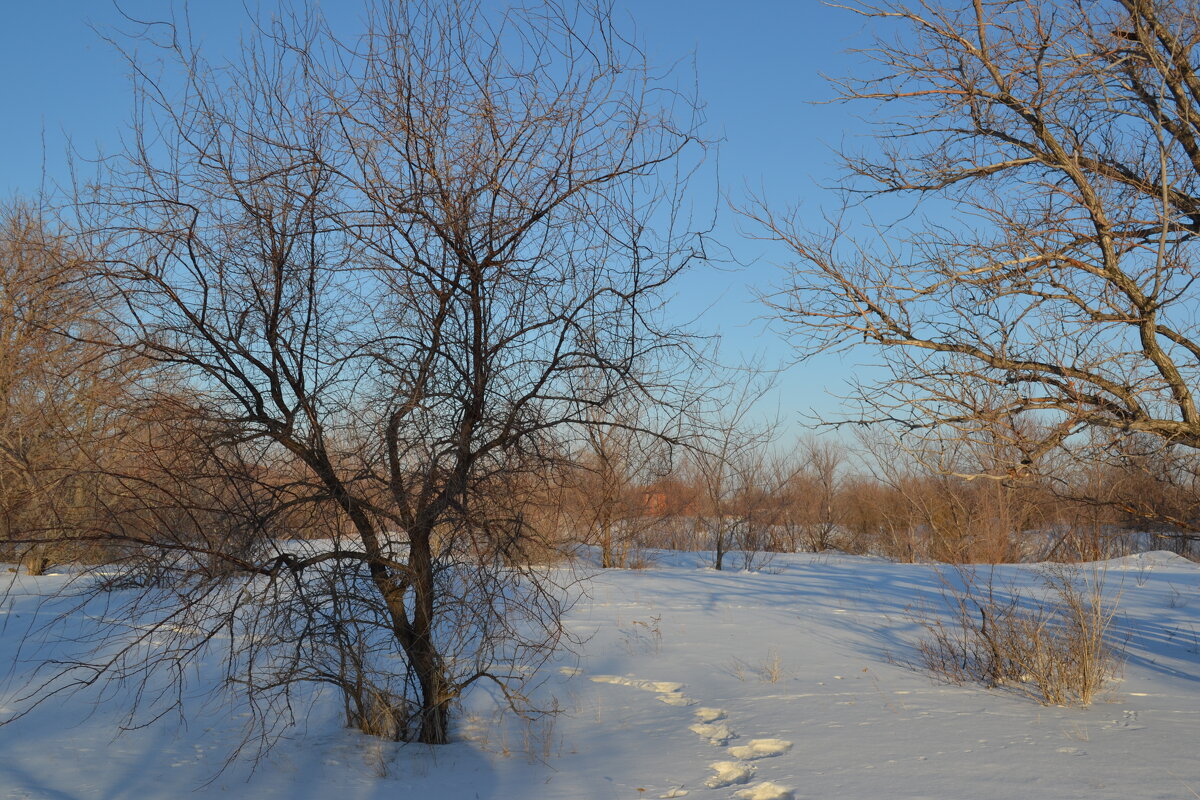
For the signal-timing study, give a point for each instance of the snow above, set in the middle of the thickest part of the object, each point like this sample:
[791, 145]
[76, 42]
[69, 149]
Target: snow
[717, 733]
[842, 718]
[760, 748]
[728, 773]
[662, 687]
[767, 790]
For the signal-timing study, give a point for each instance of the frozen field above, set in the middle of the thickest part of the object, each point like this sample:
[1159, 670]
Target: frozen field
[701, 684]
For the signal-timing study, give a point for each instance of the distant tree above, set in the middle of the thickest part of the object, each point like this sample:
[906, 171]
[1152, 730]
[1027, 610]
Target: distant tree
[57, 387]
[726, 460]
[820, 494]
[622, 452]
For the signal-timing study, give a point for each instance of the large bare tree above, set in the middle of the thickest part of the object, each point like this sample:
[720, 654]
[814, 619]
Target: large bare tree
[396, 274]
[1035, 190]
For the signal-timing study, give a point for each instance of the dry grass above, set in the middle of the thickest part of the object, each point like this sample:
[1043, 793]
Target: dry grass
[382, 714]
[643, 636]
[737, 669]
[1054, 648]
[639, 559]
[771, 670]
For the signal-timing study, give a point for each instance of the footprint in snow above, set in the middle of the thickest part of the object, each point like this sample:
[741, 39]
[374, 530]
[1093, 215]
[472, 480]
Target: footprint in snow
[717, 733]
[767, 790]
[661, 687]
[668, 691]
[760, 748]
[709, 726]
[728, 773]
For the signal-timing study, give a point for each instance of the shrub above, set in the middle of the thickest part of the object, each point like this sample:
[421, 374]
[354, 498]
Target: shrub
[1054, 648]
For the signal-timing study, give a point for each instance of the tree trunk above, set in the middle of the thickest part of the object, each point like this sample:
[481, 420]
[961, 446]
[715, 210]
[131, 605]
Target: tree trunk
[424, 659]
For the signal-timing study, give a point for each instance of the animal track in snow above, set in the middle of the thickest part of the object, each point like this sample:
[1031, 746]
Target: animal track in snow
[709, 714]
[728, 773]
[760, 748]
[767, 790]
[716, 733]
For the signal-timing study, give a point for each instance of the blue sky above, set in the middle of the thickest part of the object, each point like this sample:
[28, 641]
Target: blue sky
[759, 66]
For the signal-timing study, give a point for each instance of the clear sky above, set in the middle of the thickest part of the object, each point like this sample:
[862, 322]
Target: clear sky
[759, 66]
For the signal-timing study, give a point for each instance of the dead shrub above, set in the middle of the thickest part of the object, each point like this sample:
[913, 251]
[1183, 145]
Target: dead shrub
[1054, 648]
[378, 712]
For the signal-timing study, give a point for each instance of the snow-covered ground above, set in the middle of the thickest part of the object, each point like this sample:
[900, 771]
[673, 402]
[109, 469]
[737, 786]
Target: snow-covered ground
[784, 683]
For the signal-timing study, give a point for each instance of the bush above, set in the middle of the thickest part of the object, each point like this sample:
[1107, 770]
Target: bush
[1055, 648]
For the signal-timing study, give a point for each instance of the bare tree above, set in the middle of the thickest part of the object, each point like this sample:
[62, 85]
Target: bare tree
[819, 496]
[936, 507]
[1049, 271]
[623, 452]
[763, 478]
[395, 275]
[726, 459]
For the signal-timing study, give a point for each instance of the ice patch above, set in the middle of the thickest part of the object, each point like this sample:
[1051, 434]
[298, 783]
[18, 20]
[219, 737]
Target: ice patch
[662, 687]
[760, 748]
[767, 790]
[709, 714]
[718, 734]
[729, 773]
